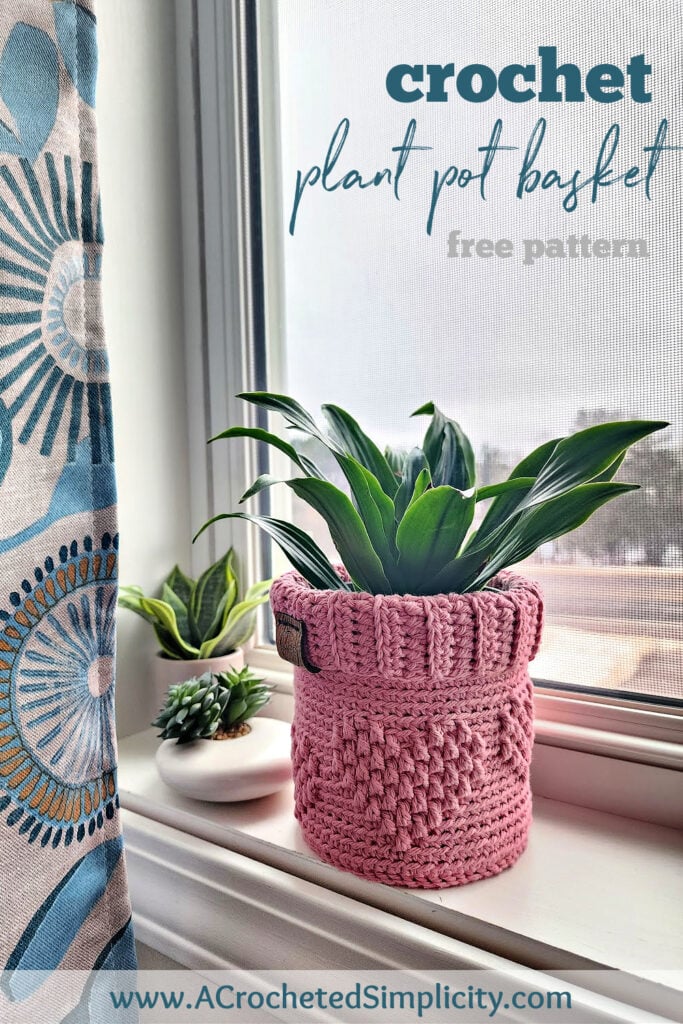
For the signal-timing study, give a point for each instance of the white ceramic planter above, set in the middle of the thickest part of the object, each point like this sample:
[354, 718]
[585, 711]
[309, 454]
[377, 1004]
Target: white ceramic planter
[167, 671]
[224, 771]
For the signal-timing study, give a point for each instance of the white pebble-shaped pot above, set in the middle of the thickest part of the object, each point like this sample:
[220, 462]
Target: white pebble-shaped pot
[224, 771]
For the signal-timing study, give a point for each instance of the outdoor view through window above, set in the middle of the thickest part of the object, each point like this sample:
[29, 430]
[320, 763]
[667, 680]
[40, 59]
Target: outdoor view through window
[378, 318]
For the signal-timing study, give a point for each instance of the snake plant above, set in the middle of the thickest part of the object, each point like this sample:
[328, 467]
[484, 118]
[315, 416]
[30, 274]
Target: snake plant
[408, 526]
[201, 618]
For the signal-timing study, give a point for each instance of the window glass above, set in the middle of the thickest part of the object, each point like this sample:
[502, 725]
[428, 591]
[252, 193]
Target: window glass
[379, 319]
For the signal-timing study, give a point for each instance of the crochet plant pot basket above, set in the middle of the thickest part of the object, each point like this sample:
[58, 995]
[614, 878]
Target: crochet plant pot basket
[413, 727]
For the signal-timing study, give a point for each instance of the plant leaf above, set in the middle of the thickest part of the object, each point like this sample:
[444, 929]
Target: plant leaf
[170, 646]
[238, 628]
[396, 457]
[235, 710]
[503, 506]
[356, 443]
[461, 462]
[166, 619]
[545, 522]
[294, 414]
[348, 533]
[208, 593]
[180, 584]
[302, 551]
[493, 490]
[583, 456]
[182, 619]
[414, 464]
[451, 468]
[226, 605]
[130, 598]
[423, 481]
[262, 435]
[457, 573]
[431, 533]
[612, 470]
[195, 636]
[260, 484]
[297, 418]
[375, 508]
[258, 590]
[309, 467]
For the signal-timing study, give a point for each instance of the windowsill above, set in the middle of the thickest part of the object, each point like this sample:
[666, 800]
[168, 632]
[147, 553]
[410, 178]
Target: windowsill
[593, 890]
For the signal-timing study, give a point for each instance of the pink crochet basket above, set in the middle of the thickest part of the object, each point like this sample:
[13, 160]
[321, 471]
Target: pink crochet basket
[413, 727]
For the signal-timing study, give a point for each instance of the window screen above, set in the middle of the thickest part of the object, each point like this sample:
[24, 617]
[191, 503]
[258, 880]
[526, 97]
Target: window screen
[378, 318]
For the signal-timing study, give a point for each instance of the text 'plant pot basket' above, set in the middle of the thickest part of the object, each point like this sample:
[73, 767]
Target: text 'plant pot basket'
[413, 727]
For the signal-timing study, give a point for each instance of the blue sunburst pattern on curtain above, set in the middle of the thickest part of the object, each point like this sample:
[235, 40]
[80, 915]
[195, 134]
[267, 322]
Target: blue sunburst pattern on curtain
[57, 647]
[54, 362]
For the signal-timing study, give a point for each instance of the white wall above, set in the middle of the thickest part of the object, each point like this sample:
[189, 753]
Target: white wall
[138, 142]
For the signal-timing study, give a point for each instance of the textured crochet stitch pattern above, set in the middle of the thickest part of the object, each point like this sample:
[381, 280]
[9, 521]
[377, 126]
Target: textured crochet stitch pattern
[412, 743]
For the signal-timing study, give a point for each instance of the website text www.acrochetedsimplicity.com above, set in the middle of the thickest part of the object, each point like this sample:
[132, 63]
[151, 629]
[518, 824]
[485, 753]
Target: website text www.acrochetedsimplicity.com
[510, 994]
[359, 997]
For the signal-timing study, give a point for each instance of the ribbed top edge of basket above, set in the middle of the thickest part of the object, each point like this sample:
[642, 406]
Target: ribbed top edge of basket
[442, 635]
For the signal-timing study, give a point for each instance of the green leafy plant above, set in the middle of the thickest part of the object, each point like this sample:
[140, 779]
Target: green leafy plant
[211, 706]
[192, 710]
[201, 618]
[408, 526]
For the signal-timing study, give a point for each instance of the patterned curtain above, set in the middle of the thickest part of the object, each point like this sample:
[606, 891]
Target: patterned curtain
[63, 893]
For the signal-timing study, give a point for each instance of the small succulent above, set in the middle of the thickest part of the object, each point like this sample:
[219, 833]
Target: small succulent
[211, 705]
[407, 522]
[247, 694]
[201, 618]
[193, 709]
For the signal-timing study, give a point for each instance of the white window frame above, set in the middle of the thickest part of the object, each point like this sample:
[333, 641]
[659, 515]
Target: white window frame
[586, 742]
